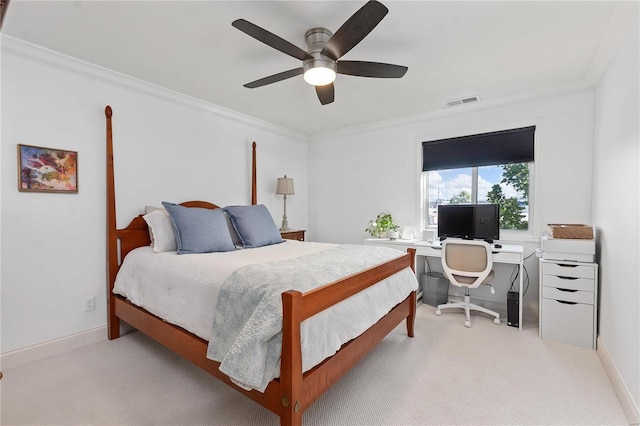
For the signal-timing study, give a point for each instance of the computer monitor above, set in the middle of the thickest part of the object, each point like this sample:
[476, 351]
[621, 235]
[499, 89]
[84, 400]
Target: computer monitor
[486, 225]
[455, 221]
[469, 221]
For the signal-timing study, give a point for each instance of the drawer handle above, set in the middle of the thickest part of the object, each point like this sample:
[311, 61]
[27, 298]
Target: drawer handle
[562, 277]
[567, 303]
[565, 265]
[567, 290]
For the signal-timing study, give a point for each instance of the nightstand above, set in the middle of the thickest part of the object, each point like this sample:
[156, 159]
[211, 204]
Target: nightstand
[293, 235]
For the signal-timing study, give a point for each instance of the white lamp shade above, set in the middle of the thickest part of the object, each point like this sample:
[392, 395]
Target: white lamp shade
[285, 186]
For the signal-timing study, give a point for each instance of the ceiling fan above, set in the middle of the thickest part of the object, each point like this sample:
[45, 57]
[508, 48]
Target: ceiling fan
[321, 61]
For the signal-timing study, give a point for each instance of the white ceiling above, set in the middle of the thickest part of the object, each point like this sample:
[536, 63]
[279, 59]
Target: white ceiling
[453, 49]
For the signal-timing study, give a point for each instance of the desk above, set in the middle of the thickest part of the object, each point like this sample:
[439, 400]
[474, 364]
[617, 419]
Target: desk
[508, 253]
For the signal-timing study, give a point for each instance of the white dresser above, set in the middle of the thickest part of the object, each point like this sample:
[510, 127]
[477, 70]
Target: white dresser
[569, 302]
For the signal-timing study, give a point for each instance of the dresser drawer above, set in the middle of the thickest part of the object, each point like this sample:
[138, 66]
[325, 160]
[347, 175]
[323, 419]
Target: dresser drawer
[574, 296]
[567, 270]
[506, 257]
[568, 323]
[568, 283]
[423, 250]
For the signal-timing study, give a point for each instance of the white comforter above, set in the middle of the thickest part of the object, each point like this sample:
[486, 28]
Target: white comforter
[183, 289]
[157, 282]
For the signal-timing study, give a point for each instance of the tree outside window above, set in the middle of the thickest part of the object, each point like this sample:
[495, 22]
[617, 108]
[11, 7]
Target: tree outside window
[506, 185]
[512, 209]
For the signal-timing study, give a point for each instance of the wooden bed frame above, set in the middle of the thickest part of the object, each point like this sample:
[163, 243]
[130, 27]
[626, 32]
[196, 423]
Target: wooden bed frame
[291, 394]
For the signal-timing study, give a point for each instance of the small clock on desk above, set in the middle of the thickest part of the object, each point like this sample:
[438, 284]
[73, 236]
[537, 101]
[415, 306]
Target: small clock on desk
[293, 234]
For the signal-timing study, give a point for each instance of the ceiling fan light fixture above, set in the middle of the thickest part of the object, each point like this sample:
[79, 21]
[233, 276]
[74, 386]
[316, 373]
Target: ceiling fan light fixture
[319, 76]
[319, 71]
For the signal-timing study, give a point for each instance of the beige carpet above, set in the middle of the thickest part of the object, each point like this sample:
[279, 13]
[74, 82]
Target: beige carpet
[446, 375]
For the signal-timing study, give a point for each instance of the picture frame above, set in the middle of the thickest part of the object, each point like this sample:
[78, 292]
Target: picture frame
[42, 169]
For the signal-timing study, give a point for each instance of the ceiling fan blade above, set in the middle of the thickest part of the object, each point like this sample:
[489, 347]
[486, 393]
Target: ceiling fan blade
[270, 39]
[274, 78]
[4, 4]
[371, 69]
[325, 93]
[355, 29]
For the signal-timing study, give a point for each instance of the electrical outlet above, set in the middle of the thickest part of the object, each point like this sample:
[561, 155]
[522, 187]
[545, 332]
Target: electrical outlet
[90, 304]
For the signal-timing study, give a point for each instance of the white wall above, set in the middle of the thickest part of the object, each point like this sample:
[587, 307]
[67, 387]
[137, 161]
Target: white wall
[358, 175]
[617, 209]
[53, 245]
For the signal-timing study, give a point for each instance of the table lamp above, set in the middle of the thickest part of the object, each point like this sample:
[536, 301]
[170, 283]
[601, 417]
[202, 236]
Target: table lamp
[285, 187]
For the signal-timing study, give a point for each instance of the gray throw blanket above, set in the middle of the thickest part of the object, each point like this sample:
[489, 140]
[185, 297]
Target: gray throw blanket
[247, 327]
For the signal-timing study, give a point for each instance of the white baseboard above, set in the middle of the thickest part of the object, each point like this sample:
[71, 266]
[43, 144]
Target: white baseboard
[624, 396]
[52, 347]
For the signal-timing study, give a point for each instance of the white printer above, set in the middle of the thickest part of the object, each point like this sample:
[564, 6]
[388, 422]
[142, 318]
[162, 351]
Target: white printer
[576, 250]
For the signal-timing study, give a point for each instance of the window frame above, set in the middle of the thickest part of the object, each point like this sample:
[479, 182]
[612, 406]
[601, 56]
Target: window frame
[529, 235]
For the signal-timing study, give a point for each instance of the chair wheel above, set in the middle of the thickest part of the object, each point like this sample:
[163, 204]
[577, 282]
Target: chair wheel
[497, 321]
[438, 312]
[467, 324]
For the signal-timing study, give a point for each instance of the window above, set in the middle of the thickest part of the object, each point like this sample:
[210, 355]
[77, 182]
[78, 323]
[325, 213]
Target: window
[486, 168]
[505, 184]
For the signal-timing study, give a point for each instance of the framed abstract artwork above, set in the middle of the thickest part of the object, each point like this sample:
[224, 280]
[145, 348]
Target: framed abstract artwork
[43, 169]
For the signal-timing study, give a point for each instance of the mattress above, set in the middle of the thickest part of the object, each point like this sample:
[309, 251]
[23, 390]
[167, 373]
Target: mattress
[156, 281]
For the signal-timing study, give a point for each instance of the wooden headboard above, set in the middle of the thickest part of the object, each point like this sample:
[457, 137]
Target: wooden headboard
[121, 241]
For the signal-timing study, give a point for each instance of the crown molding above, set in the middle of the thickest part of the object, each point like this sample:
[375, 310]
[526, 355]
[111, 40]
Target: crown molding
[624, 14]
[57, 60]
[486, 103]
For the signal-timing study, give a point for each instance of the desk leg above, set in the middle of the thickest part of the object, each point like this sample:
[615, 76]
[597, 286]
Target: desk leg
[521, 266]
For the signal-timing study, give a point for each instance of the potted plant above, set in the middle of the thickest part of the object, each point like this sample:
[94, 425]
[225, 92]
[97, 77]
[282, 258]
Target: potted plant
[382, 225]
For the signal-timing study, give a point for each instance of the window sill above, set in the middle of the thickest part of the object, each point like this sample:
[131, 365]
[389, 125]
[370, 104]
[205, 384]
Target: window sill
[505, 236]
[519, 238]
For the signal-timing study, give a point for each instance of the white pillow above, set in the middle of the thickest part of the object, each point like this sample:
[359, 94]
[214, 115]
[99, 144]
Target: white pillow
[149, 209]
[163, 237]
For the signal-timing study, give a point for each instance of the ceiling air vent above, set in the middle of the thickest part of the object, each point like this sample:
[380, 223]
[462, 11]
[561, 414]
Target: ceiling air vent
[462, 101]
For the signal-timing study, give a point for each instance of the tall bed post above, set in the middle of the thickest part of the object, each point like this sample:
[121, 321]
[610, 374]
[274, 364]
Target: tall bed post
[113, 322]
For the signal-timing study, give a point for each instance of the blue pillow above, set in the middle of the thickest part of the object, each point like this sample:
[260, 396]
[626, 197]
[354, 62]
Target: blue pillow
[199, 230]
[254, 225]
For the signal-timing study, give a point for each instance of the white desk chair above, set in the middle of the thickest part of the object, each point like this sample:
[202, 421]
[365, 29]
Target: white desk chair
[468, 263]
